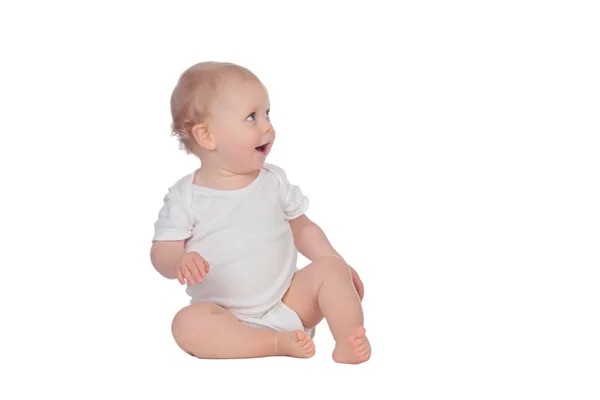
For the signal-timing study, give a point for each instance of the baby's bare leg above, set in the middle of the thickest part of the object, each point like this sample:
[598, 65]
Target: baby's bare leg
[206, 330]
[324, 288]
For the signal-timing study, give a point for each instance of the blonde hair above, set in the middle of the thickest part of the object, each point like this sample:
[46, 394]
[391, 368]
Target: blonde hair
[192, 97]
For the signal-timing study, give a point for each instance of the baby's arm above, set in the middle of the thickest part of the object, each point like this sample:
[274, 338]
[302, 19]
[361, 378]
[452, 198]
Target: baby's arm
[165, 255]
[171, 229]
[310, 240]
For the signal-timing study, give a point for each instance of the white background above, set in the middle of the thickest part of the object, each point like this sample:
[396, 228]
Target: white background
[450, 151]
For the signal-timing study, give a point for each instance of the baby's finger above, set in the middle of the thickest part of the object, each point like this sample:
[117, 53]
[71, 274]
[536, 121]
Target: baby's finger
[196, 270]
[197, 264]
[188, 275]
[358, 285]
[206, 265]
[201, 263]
[180, 277]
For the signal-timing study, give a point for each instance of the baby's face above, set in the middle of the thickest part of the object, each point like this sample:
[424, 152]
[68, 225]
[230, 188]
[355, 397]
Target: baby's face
[240, 124]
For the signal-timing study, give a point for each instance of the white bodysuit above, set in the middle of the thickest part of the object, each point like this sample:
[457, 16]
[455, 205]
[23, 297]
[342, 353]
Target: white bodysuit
[245, 237]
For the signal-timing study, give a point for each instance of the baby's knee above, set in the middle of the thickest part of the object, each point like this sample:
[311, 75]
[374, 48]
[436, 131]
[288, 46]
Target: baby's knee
[332, 266]
[189, 320]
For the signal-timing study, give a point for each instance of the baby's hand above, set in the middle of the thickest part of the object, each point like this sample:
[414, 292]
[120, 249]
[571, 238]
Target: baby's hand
[358, 284]
[191, 267]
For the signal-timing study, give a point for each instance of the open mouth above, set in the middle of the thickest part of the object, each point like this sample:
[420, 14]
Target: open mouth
[262, 148]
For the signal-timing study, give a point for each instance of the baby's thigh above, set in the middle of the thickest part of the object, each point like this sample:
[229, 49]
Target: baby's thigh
[195, 321]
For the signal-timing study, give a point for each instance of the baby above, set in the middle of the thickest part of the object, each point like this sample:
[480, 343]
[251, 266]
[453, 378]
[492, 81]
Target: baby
[231, 231]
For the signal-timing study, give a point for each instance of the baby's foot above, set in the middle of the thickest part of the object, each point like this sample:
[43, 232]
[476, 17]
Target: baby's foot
[294, 344]
[355, 350]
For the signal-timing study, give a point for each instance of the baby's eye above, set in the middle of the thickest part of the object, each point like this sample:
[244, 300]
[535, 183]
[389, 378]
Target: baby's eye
[251, 117]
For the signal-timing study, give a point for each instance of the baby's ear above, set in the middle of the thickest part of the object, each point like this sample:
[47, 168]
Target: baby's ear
[203, 136]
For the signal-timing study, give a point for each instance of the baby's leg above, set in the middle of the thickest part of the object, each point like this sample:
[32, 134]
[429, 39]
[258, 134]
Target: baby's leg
[324, 288]
[206, 330]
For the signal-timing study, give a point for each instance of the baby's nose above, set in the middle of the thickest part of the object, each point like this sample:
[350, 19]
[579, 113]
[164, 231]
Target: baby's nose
[268, 127]
[268, 137]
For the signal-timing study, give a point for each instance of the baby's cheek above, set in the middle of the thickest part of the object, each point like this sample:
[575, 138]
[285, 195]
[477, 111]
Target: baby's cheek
[245, 147]
[240, 152]
[241, 145]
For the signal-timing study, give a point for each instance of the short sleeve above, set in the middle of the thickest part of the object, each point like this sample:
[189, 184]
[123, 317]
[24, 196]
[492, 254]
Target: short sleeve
[293, 200]
[174, 218]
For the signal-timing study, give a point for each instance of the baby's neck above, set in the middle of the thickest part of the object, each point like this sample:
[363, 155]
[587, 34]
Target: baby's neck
[222, 179]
